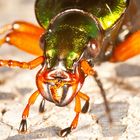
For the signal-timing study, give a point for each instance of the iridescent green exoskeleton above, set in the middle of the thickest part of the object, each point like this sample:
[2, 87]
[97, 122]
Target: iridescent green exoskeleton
[107, 11]
[73, 25]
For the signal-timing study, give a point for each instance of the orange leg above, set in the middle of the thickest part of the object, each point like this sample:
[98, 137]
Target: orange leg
[25, 114]
[87, 69]
[78, 110]
[86, 105]
[23, 35]
[74, 123]
[24, 65]
[127, 49]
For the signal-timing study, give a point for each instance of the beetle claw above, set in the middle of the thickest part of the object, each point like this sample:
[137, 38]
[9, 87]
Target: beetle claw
[42, 106]
[23, 126]
[65, 132]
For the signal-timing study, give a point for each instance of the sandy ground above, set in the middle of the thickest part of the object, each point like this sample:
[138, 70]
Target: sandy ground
[121, 82]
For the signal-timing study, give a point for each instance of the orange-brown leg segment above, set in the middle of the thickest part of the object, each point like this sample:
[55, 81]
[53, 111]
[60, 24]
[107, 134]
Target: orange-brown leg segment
[86, 98]
[25, 65]
[25, 114]
[23, 35]
[127, 49]
[74, 123]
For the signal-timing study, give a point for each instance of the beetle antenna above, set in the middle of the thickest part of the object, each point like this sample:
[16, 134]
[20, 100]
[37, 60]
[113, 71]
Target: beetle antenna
[100, 85]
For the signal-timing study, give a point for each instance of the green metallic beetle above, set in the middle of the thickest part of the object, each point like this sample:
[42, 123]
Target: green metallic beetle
[75, 35]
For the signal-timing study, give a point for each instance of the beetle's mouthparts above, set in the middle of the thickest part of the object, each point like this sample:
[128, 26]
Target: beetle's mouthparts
[57, 90]
[60, 86]
[59, 75]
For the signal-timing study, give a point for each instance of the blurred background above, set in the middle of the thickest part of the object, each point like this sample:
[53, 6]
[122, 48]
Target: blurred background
[17, 10]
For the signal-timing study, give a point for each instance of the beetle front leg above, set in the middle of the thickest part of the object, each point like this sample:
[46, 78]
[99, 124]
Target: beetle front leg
[25, 114]
[66, 131]
[25, 65]
[86, 98]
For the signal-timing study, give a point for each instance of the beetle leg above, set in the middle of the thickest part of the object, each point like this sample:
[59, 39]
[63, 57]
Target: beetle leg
[87, 69]
[22, 35]
[86, 105]
[25, 65]
[25, 114]
[127, 49]
[42, 106]
[66, 131]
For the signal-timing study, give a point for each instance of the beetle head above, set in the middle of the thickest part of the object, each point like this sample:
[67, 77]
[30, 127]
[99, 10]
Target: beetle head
[60, 85]
[69, 36]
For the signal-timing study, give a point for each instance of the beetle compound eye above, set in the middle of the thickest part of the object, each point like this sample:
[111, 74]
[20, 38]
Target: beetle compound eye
[93, 48]
[42, 42]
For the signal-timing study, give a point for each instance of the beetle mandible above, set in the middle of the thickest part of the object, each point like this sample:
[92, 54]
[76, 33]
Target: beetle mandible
[73, 37]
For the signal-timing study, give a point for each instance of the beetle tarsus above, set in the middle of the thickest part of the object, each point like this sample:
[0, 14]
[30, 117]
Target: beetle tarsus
[23, 126]
[85, 107]
[65, 132]
[42, 106]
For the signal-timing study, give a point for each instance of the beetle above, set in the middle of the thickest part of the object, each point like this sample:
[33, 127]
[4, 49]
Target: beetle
[73, 36]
